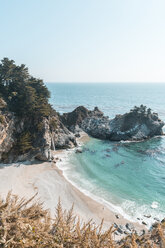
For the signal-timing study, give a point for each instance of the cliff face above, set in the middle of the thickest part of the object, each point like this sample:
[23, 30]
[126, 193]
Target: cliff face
[7, 137]
[53, 135]
[17, 145]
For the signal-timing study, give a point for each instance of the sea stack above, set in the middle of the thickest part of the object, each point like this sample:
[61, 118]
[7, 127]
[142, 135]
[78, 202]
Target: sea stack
[139, 124]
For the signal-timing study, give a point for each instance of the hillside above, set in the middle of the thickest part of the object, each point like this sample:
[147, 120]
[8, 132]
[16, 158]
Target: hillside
[29, 127]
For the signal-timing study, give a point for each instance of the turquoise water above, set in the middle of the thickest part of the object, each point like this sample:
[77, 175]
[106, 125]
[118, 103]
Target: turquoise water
[128, 177]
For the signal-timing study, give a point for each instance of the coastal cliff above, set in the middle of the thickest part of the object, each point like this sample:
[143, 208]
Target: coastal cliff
[31, 129]
[26, 139]
[22, 138]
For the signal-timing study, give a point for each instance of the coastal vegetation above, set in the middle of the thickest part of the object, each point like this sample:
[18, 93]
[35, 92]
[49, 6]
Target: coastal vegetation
[30, 129]
[24, 142]
[2, 119]
[27, 99]
[25, 224]
[24, 94]
[141, 110]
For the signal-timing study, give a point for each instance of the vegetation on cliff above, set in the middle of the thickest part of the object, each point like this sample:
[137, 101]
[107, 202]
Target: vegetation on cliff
[26, 224]
[141, 110]
[27, 97]
[24, 94]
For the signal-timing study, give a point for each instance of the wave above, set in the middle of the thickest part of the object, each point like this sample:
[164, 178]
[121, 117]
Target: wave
[130, 210]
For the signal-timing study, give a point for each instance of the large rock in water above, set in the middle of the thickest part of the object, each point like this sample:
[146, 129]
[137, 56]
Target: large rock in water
[136, 125]
[74, 119]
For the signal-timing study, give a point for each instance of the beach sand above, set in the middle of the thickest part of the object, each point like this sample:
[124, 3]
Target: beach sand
[48, 180]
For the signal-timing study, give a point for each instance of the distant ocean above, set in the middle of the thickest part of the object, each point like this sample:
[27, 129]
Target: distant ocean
[128, 177]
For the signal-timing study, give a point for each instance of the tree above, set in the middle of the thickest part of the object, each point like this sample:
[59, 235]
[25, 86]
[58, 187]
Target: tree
[135, 109]
[149, 111]
[24, 94]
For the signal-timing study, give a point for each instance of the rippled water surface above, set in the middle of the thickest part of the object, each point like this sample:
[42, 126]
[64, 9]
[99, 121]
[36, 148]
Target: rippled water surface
[112, 99]
[129, 177]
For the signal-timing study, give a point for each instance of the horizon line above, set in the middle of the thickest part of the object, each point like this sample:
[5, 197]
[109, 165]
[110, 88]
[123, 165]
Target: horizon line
[106, 82]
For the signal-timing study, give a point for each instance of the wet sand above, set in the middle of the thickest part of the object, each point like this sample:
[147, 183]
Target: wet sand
[48, 180]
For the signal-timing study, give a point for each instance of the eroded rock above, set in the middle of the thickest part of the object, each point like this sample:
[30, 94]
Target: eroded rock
[138, 124]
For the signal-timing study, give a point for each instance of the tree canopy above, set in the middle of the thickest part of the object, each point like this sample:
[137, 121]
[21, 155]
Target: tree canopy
[142, 110]
[24, 94]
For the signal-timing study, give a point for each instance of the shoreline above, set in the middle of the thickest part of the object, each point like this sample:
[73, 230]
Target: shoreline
[100, 210]
[25, 179]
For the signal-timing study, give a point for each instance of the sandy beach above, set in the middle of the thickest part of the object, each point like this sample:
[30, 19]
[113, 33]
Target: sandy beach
[26, 179]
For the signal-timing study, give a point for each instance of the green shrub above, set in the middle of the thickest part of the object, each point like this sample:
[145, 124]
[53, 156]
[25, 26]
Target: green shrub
[53, 123]
[24, 143]
[40, 126]
[2, 119]
[2, 103]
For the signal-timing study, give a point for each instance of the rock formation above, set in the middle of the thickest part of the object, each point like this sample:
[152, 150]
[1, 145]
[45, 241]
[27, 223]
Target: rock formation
[60, 132]
[135, 126]
[138, 124]
[48, 135]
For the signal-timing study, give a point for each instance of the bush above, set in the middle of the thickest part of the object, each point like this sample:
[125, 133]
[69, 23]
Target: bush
[25, 224]
[40, 126]
[142, 110]
[53, 124]
[2, 119]
[2, 103]
[24, 142]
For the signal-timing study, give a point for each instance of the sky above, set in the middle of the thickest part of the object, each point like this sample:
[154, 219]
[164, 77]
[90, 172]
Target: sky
[86, 40]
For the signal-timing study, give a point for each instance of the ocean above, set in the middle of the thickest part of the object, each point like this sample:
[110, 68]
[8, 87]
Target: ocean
[128, 177]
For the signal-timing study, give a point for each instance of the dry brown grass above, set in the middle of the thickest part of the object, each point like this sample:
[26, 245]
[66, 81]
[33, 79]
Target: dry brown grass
[26, 224]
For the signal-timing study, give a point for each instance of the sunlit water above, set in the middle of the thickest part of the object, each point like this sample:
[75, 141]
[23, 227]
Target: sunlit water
[129, 177]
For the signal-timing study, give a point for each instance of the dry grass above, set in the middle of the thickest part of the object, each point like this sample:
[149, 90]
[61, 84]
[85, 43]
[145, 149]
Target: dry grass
[26, 224]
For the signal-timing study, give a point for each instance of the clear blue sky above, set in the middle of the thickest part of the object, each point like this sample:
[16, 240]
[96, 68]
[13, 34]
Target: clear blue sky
[86, 40]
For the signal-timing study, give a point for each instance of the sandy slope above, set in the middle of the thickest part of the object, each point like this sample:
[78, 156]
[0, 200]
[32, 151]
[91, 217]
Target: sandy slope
[46, 179]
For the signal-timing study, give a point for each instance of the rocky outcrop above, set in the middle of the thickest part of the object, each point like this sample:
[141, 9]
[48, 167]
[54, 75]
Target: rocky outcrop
[73, 120]
[136, 125]
[7, 137]
[51, 138]
[45, 136]
[97, 127]
[26, 139]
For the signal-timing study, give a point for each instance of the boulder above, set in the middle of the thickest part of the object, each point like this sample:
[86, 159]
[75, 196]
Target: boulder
[130, 226]
[120, 229]
[79, 150]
